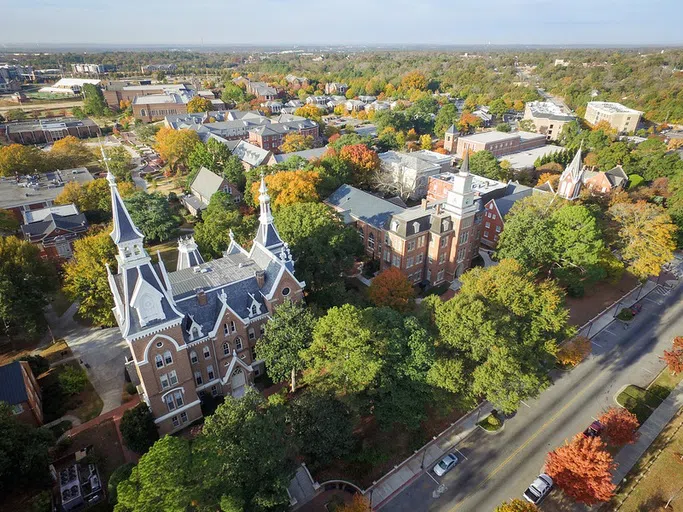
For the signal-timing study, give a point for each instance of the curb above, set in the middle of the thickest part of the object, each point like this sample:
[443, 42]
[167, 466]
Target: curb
[397, 491]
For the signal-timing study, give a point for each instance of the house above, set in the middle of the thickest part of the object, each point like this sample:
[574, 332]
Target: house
[367, 99]
[498, 208]
[430, 243]
[621, 118]
[69, 86]
[485, 116]
[205, 185]
[336, 88]
[604, 182]
[54, 230]
[548, 118]
[46, 131]
[192, 332]
[275, 106]
[35, 192]
[251, 155]
[262, 91]
[306, 154]
[354, 105]
[271, 136]
[377, 106]
[19, 389]
[297, 81]
[408, 173]
[318, 100]
[499, 143]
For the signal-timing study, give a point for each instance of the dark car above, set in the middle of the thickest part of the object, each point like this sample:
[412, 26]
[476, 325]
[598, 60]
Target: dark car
[593, 430]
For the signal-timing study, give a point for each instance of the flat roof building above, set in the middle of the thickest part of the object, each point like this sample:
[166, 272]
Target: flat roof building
[623, 119]
[548, 118]
[499, 143]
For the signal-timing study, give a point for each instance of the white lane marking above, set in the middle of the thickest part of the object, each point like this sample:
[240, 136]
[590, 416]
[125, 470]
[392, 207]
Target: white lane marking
[429, 474]
[525, 404]
[596, 344]
[461, 453]
[648, 371]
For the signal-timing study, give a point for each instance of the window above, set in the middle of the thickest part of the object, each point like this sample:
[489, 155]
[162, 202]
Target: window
[209, 372]
[214, 391]
[168, 358]
[252, 335]
[285, 291]
[486, 234]
[410, 262]
[495, 238]
[387, 240]
[497, 229]
[421, 241]
[193, 357]
[444, 241]
[464, 237]
[487, 225]
[397, 261]
[493, 216]
[232, 326]
[173, 378]
[238, 343]
[442, 258]
[361, 234]
[225, 329]
[178, 398]
[207, 353]
[198, 378]
[63, 249]
[170, 403]
[159, 361]
[164, 381]
[420, 258]
[371, 241]
[226, 349]
[445, 225]
[262, 329]
[416, 227]
[461, 254]
[394, 225]
[411, 245]
[175, 421]
[439, 275]
[387, 256]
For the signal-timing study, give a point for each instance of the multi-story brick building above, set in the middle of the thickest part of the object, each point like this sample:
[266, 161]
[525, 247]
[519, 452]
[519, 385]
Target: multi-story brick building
[46, 131]
[116, 92]
[430, 243]
[618, 116]
[499, 143]
[54, 230]
[192, 332]
[19, 389]
[497, 208]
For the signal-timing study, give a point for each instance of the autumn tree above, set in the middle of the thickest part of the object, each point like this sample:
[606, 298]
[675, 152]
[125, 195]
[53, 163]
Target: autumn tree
[426, 141]
[583, 470]
[93, 198]
[392, 288]
[309, 111]
[645, 236]
[198, 104]
[620, 427]
[364, 162]
[468, 122]
[20, 159]
[85, 277]
[219, 218]
[296, 142]
[175, 146]
[359, 503]
[516, 505]
[70, 152]
[674, 357]
[574, 351]
[289, 187]
[9, 224]
[552, 179]
[414, 80]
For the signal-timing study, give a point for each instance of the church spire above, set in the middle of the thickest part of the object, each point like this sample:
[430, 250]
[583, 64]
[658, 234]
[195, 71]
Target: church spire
[266, 235]
[465, 167]
[266, 216]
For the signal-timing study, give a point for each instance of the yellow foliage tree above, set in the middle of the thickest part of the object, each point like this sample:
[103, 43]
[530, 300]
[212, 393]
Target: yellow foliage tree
[426, 141]
[296, 142]
[175, 146]
[309, 112]
[574, 351]
[70, 152]
[414, 80]
[198, 104]
[549, 177]
[20, 159]
[289, 187]
[94, 195]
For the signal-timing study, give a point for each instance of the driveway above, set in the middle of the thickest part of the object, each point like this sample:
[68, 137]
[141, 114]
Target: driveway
[102, 353]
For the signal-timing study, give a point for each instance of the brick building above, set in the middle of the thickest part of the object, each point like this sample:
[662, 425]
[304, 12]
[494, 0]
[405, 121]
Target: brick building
[576, 176]
[499, 143]
[19, 389]
[46, 131]
[192, 332]
[116, 92]
[497, 208]
[54, 230]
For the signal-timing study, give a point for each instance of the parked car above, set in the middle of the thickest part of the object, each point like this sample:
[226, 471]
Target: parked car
[593, 430]
[446, 464]
[538, 489]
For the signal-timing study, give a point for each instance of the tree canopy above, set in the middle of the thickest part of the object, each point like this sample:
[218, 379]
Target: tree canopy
[152, 214]
[220, 216]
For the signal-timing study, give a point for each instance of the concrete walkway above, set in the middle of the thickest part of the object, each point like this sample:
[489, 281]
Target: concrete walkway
[425, 458]
[653, 426]
[67, 417]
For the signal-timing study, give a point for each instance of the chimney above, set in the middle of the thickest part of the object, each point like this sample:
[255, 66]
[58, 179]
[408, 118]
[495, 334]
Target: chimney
[424, 204]
[201, 298]
[260, 276]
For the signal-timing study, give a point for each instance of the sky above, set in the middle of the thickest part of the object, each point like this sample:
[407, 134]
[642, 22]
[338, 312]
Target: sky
[353, 22]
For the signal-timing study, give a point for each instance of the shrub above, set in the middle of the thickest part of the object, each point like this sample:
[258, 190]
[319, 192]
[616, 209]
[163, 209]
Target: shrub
[119, 475]
[574, 351]
[42, 502]
[131, 389]
[72, 380]
[38, 364]
[625, 314]
[138, 429]
[635, 180]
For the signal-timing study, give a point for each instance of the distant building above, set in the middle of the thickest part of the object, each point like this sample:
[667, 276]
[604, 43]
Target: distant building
[499, 143]
[297, 81]
[92, 69]
[155, 107]
[410, 172]
[562, 62]
[19, 389]
[54, 230]
[336, 88]
[9, 85]
[46, 131]
[152, 68]
[115, 91]
[306, 154]
[69, 86]
[619, 117]
[262, 91]
[205, 185]
[548, 118]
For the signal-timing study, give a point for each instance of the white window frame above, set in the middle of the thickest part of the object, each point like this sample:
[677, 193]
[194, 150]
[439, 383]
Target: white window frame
[159, 361]
[238, 343]
[198, 378]
[194, 359]
[207, 352]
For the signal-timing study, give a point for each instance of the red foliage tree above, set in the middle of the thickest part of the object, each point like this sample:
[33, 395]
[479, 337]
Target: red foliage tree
[363, 161]
[674, 358]
[620, 426]
[392, 288]
[582, 469]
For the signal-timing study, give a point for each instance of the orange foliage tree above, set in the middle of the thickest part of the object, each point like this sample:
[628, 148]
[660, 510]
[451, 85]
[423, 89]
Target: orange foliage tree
[548, 177]
[620, 426]
[516, 505]
[391, 288]
[583, 470]
[414, 80]
[289, 187]
[175, 146]
[574, 351]
[364, 162]
[358, 504]
[674, 357]
[468, 122]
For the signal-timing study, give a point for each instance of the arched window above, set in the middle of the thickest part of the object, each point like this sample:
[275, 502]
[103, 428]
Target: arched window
[193, 357]
[371, 241]
[159, 361]
[238, 343]
[226, 349]
[207, 353]
[232, 326]
[168, 358]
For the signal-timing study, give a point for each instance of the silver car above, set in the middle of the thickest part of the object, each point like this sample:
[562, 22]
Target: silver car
[445, 464]
[538, 489]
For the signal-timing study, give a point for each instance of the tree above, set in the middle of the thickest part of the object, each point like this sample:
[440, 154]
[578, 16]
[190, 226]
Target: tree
[198, 104]
[296, 142]
[309, 111]
[548, 177]
[620, 427]
[343, 357]
[118, 475]
[498, 107]
[38, 363]
[26, 284]
[322, 246]
[175, 146]
[674, 358]
[20, 159]
[213, 155]
[220, 217]
[646, 236]
[446, 117]
[582, 469]
[287, 333]
[359, 503]
[85, 277]
[289, 187]
[526, 125]
[9, 224]
[24, 452]
[152, 214]
[485, 164]
[119, 163]
[233, 170]
[364, 162]
[232, 93]
[392, 288]
[426, 141]
[16, 114]
[574, 351]
[138, 429]
[78, 113]
[322, 427]
[468, 122]
[516, 505]
[93, 101]
[93, 198]
[414, 80]
[70, 152]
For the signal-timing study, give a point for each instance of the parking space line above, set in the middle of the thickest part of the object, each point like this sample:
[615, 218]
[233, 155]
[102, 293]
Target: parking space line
[612, 333]
[461, 453]
[648, 371]
[596, 344]
[525, 404]
[652, 300]
[435, 480]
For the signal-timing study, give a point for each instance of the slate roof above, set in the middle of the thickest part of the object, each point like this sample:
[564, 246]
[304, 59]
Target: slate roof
[124, 229]
[12, 387]
[50, 220]
[505, 203]
[363, 206]
[250, 153]
[207, 183]
[308, 154]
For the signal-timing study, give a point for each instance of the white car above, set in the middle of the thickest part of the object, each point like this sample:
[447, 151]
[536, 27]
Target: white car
[538, 489]
[445, 464]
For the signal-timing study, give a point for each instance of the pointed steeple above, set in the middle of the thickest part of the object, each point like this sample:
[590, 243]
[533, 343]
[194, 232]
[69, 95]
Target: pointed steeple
[266, 235]
[575, 167]
[188, 253]
[465, 167]
[264, 202]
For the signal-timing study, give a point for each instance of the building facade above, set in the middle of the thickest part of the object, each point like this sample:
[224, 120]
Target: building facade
[192, 332]
[619, 117]
[408, 173]
[499, 143]
[548, 118]
[46, 131]
[19, 389]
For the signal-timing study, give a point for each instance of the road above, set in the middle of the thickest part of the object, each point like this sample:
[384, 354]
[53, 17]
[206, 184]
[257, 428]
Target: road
[30, 106]
[498, 467]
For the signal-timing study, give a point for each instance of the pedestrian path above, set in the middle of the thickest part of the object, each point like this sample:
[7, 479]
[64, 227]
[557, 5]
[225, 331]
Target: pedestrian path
[653, 426]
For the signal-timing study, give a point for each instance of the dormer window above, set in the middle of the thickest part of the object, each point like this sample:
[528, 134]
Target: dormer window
[416, 227]
[394, 225]
[195, 333]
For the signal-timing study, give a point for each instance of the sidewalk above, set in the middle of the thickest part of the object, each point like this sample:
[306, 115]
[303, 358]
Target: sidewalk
[631, 454]
[410, 469]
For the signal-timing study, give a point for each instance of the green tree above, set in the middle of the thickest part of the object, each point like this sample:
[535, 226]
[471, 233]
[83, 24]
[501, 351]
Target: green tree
[138, 429]
[152, 214]
[526, 125]
[16, 114]
[287, 333]
[446, 117]
[213, 155]
[26, 284]
[93, 101]
[119, 163]
[9, 224]
[220, 217]
[85, 277]
[498, 107]
[483, 163]
[233, 170]
[232, 93]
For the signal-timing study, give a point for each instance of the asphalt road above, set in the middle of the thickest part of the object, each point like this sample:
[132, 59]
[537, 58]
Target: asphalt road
[498, 467]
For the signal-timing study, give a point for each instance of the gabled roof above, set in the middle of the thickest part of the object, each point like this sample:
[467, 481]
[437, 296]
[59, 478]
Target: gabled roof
[250, 153]
[362, 206]
[207, 183]
[12, 386]
[308, 154]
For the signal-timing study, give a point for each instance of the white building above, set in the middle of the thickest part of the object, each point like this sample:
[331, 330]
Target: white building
[619, 117]
[548, 118]
[407, 174]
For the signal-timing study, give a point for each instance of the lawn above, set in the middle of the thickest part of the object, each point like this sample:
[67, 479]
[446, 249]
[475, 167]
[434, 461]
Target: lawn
[56, 351]
[642, 402]
[85, 405]
[169, 253]
[60, 303]
[597, 298]
[664, 478]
